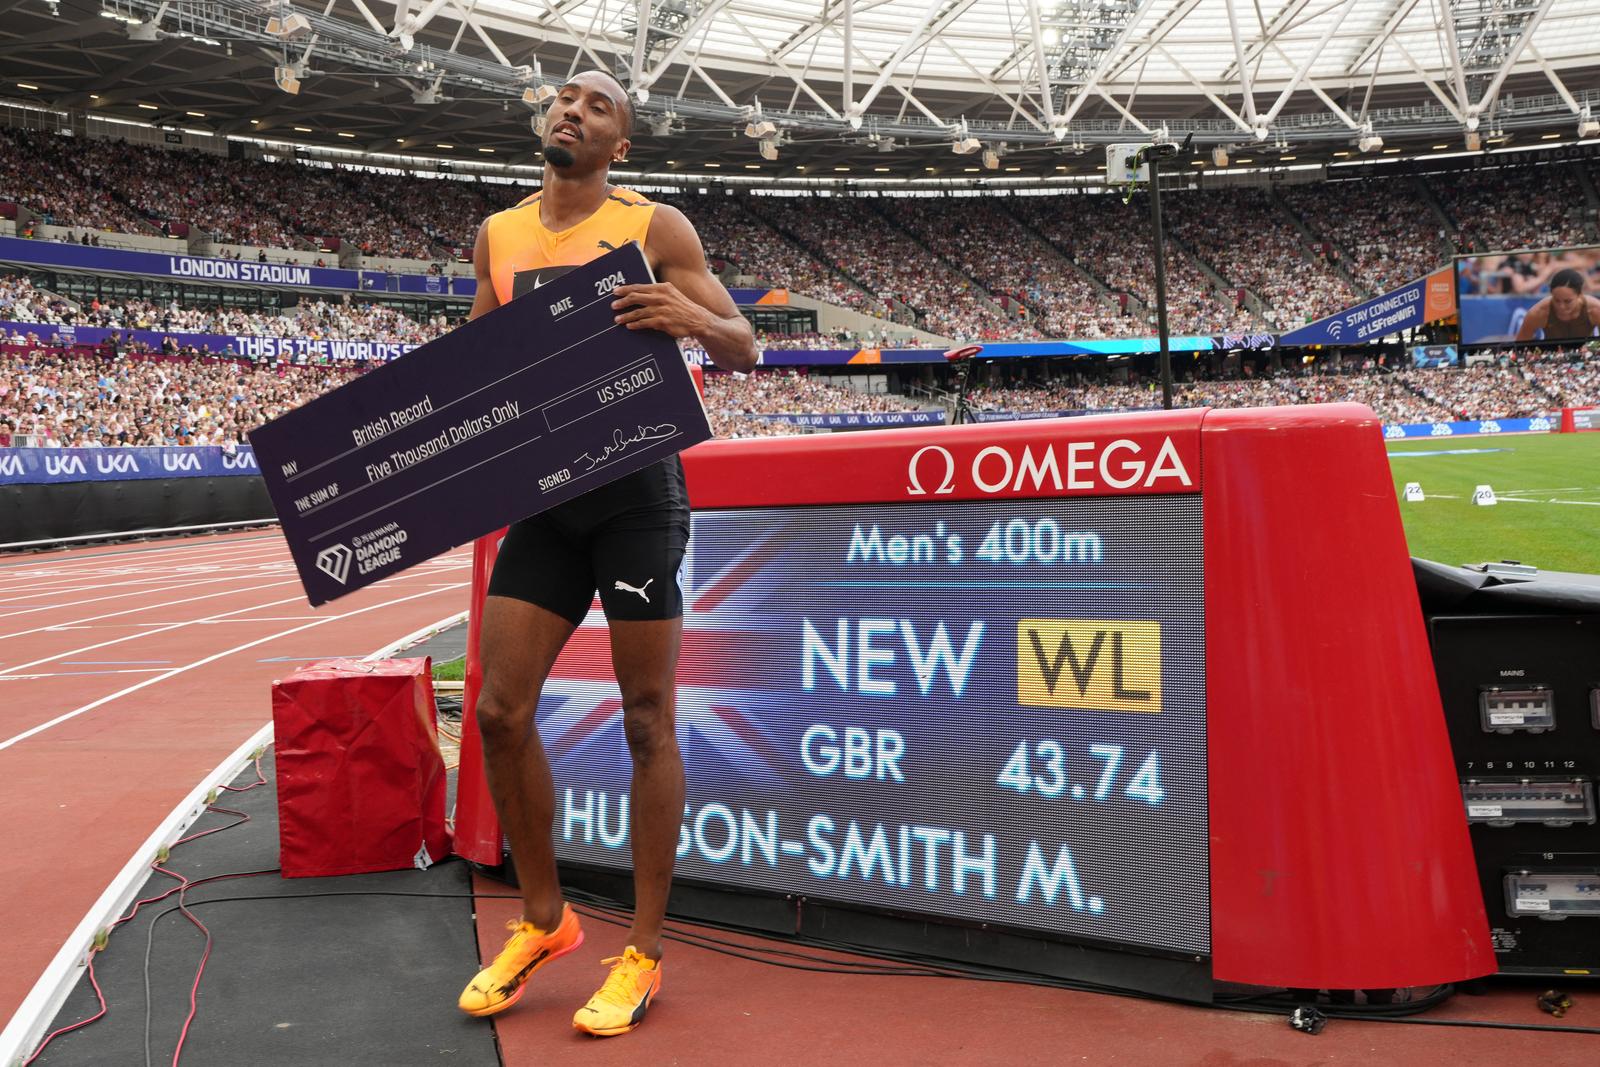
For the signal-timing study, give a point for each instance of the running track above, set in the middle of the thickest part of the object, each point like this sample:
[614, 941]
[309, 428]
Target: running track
[127, 674]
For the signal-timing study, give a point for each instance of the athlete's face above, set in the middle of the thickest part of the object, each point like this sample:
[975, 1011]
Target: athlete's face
[586, 126]
[1566, 303]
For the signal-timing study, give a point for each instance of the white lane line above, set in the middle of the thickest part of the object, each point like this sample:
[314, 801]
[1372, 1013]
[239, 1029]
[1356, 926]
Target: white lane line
[143, 608]
[61, 976]
[81, 562]
[171, 587]
[146, 577]
[75, 674]
[151, 632]
[75, 712]
[1525, 500]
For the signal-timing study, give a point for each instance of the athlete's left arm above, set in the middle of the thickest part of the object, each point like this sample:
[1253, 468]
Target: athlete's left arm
[686, 300]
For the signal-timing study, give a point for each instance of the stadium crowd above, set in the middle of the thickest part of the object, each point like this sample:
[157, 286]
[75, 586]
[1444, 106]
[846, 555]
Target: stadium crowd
[895, 268]
[73, 398]
[1108, 239]
[1386, 240]
[969, 268]
[1247, 240]
[1513, 386]
[1507, 208]
[20, 301]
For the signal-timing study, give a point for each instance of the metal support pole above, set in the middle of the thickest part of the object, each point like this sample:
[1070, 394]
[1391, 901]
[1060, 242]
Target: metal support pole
[1161, 278]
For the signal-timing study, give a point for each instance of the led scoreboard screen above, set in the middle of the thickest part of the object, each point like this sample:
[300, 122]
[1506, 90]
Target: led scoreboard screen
[981, 710]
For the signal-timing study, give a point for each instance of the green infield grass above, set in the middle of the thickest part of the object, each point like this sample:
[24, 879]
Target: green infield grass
[1548, 492]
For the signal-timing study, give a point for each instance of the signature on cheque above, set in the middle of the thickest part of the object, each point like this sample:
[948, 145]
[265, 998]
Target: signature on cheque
[621, 441]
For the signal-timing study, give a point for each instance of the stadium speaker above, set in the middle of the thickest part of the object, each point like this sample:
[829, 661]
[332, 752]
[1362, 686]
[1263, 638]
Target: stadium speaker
[965, 146]
[1219, 156]
[768, 148]
[287, 79]
[289, 25]
[1474, 141]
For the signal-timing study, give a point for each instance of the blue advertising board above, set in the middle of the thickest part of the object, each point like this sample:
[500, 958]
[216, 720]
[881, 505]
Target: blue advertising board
[58, 466]
[995, 714]
[1367, 321]
[848, 419]
[1537, 424]
[182, 268]
[289, 349]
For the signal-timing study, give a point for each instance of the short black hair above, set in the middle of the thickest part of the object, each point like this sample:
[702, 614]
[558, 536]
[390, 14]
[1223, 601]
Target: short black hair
[1567, 279]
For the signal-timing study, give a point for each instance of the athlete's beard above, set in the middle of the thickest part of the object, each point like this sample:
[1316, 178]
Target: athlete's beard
[558, 155]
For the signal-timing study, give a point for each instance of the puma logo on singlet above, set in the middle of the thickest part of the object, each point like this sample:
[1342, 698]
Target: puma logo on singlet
[622, 586]
[607, 245]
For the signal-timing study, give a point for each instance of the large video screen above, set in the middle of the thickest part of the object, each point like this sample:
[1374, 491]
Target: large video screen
[992, 712]
[1550, 294]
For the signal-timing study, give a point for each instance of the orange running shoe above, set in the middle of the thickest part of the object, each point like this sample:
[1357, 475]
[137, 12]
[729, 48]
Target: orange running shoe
[500, 985]
[620, 1004]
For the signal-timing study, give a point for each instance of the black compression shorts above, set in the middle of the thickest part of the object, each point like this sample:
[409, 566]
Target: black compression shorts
[626, 539]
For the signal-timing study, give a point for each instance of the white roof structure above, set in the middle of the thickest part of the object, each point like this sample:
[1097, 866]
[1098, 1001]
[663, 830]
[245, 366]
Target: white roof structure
[894, 82]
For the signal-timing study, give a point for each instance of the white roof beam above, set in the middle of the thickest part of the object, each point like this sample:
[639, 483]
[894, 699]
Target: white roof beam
[1041, 64]
[1305, 65]
[1205, 90]
[1108, 58]
[470, 19]
[584, 46]
[777, 61]
[701, 24]
[988, 83]
[1157, 35]
[1124, 112]
[848, 61]
[1239, 61]
[1450, 53]
[1427, 80]
[1327, 100]
[641, 35]
[1560, 86]
[372, 20]
[1280, 25]
[1402, 8]
[914, 40]
[414, 23]
[1493, 90]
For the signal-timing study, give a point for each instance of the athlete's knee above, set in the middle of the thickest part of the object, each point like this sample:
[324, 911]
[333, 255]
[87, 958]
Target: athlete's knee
[647, 724]
[503, 719]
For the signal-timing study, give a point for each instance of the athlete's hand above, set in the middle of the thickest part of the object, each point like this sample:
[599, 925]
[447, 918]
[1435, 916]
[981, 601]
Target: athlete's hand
[659, 306]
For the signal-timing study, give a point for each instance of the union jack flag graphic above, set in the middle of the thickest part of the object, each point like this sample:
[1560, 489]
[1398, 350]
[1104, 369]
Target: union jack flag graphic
[719, 731]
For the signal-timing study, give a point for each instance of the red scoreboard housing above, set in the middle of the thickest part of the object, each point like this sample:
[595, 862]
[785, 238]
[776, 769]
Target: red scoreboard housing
[1334, 829]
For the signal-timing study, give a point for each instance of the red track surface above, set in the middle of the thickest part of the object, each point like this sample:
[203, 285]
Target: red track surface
[128, 673]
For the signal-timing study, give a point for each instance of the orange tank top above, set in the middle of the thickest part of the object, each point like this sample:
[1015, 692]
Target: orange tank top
[520, 242]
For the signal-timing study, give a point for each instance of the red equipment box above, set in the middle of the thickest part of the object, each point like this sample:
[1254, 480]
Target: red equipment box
[361, 782]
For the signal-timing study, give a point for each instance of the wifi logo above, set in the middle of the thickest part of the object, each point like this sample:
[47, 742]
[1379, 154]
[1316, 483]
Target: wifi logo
[1335, 328]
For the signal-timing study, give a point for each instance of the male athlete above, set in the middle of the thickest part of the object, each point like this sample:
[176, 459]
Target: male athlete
[1566, 314]
[627, 539]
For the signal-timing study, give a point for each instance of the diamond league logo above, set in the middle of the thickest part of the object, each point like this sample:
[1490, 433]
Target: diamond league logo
[334, 561]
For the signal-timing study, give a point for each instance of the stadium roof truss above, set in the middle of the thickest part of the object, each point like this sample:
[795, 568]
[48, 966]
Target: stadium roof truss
[838, 81]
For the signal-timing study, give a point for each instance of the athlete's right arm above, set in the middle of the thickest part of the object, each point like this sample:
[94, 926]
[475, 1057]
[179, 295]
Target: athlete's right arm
[485, 301]
[1537, 318]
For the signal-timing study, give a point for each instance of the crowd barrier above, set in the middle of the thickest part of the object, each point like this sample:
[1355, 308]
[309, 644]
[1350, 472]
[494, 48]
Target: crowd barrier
[61, 466]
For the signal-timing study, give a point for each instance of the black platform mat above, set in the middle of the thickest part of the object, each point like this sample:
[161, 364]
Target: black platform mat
[292, 979]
